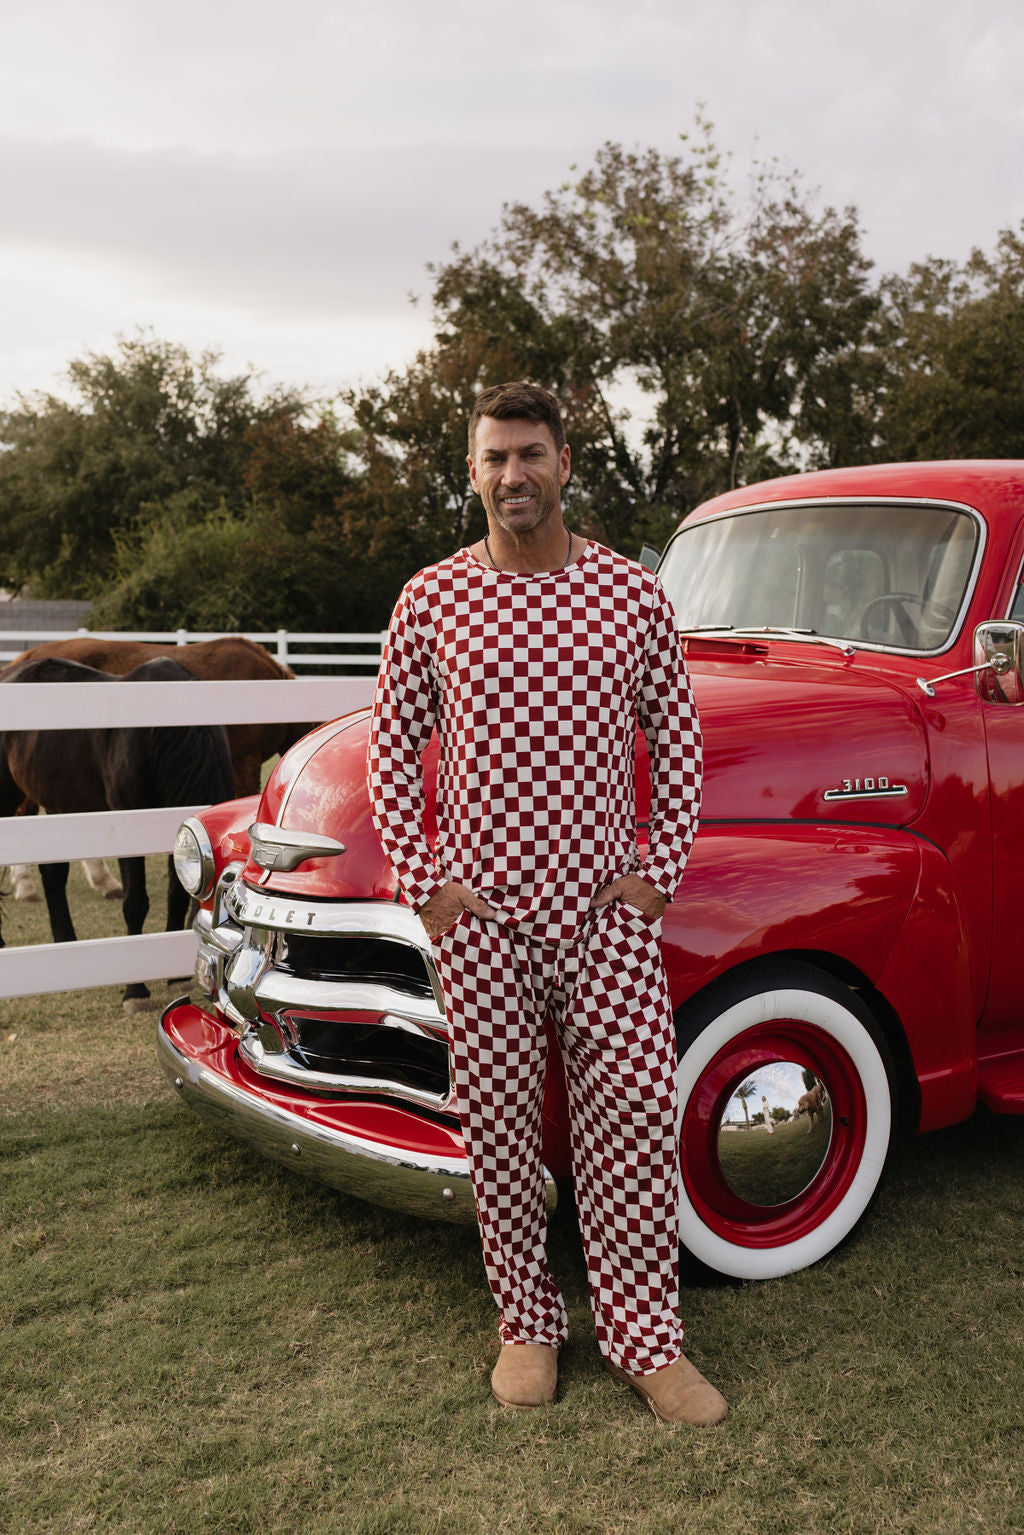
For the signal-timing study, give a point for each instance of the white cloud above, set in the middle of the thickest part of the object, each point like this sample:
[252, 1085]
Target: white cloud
[254, 167]
[328, 246]
[780, 1082]
[326, 230]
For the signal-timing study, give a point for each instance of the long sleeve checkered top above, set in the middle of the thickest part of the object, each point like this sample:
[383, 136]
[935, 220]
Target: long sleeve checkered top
[535, 684]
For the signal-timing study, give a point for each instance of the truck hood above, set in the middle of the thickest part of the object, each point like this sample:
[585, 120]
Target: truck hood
[791, 741]
[782, 741]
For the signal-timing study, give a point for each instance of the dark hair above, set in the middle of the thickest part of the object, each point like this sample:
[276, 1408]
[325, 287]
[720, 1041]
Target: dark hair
[518, 402]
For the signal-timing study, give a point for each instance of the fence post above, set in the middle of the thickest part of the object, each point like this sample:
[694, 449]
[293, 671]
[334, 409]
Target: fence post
[282, 646]
[181, 636]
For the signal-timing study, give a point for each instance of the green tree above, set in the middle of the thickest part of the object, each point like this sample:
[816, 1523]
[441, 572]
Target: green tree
[745, 333]
[741, 327]
[224, 570]
[412, 501]
[280, 559]
[744, 1093]
[953, 351]
[145, 425]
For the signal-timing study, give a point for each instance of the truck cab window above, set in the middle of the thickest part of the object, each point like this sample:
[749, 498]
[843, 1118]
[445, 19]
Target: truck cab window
[894, 574]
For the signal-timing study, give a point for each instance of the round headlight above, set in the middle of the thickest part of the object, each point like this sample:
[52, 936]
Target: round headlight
[193, 858]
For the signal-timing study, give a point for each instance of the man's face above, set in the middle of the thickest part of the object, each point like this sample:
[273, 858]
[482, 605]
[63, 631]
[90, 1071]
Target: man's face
[517, 472]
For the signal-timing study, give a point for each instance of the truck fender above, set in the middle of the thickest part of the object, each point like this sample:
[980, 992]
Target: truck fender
[876, 906]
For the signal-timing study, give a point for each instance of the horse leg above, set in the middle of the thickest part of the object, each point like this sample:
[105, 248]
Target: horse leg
[100, 878]
[21, 873]
[135, 906]
[178, 899]
[55, 888]
[180, 910]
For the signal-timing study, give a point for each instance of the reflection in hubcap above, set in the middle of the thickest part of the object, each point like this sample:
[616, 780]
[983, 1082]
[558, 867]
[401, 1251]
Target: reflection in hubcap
[769, 1159]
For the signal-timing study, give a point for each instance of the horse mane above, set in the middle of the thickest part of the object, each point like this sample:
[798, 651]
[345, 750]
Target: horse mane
[53, 669]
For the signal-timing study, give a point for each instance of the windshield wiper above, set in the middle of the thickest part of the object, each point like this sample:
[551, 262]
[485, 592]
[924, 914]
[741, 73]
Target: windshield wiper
[779, 629]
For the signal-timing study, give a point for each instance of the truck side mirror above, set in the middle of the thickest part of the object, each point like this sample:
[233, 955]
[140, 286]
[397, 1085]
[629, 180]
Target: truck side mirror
[650, 556]
[998, 664]
[999, 655]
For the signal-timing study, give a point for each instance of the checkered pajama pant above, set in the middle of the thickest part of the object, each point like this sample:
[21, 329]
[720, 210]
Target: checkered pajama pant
[608, 999]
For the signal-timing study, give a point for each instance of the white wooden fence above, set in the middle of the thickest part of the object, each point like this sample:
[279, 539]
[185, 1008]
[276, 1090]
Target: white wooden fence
[46, 839]
[290, 648]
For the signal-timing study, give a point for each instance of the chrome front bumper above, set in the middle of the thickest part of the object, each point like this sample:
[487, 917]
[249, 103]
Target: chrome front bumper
[394, 1176]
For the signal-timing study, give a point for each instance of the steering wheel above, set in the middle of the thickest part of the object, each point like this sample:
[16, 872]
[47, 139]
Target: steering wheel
[932, 611]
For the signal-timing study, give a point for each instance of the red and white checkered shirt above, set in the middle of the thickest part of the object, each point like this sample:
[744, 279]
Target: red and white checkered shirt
[535, 684]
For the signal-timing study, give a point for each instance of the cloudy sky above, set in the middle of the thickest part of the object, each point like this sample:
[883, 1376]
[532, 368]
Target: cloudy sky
[272, 179]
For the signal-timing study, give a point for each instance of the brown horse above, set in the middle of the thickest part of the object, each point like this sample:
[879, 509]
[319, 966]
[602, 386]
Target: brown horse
[232, 658]
[124, 768]
[225, 660]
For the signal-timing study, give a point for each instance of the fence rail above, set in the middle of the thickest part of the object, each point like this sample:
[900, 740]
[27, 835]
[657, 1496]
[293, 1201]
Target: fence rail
[42, 968]
[280, 642]
[61, 838]
[77, 705]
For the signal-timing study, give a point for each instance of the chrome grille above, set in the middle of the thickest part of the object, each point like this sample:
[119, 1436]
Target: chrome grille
[367, 1051]
[332, 997]
[326, 957]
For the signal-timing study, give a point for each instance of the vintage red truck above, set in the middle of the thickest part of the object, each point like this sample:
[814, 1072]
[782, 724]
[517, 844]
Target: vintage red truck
[846, 930]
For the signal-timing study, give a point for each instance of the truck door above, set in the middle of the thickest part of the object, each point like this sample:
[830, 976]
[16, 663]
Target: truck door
[1002, 710]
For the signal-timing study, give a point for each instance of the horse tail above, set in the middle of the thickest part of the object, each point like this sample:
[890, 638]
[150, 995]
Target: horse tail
[184, 764]
[190, 765]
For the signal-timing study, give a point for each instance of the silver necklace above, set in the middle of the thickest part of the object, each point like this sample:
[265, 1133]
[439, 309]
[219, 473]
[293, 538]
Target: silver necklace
[490, 556]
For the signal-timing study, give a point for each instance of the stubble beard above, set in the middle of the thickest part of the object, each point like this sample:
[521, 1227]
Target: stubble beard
[545, 505]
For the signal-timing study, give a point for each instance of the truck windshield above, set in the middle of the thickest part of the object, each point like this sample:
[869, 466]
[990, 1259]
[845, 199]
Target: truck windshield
[885, 573]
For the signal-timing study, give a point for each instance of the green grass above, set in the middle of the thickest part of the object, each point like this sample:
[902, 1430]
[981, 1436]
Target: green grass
[194, 1340]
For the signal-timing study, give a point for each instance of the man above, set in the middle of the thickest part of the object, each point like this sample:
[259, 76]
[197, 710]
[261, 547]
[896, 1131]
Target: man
[534, 652]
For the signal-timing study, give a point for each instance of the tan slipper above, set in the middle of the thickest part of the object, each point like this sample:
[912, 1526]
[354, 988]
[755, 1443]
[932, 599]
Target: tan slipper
[677, 1394]
[525, 1375]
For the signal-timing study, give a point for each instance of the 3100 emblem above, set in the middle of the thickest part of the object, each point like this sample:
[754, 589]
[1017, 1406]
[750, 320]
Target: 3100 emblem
[867, 788]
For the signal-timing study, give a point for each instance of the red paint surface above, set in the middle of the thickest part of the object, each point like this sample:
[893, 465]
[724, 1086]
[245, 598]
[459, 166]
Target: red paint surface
[914, 899]
[212, 1044]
